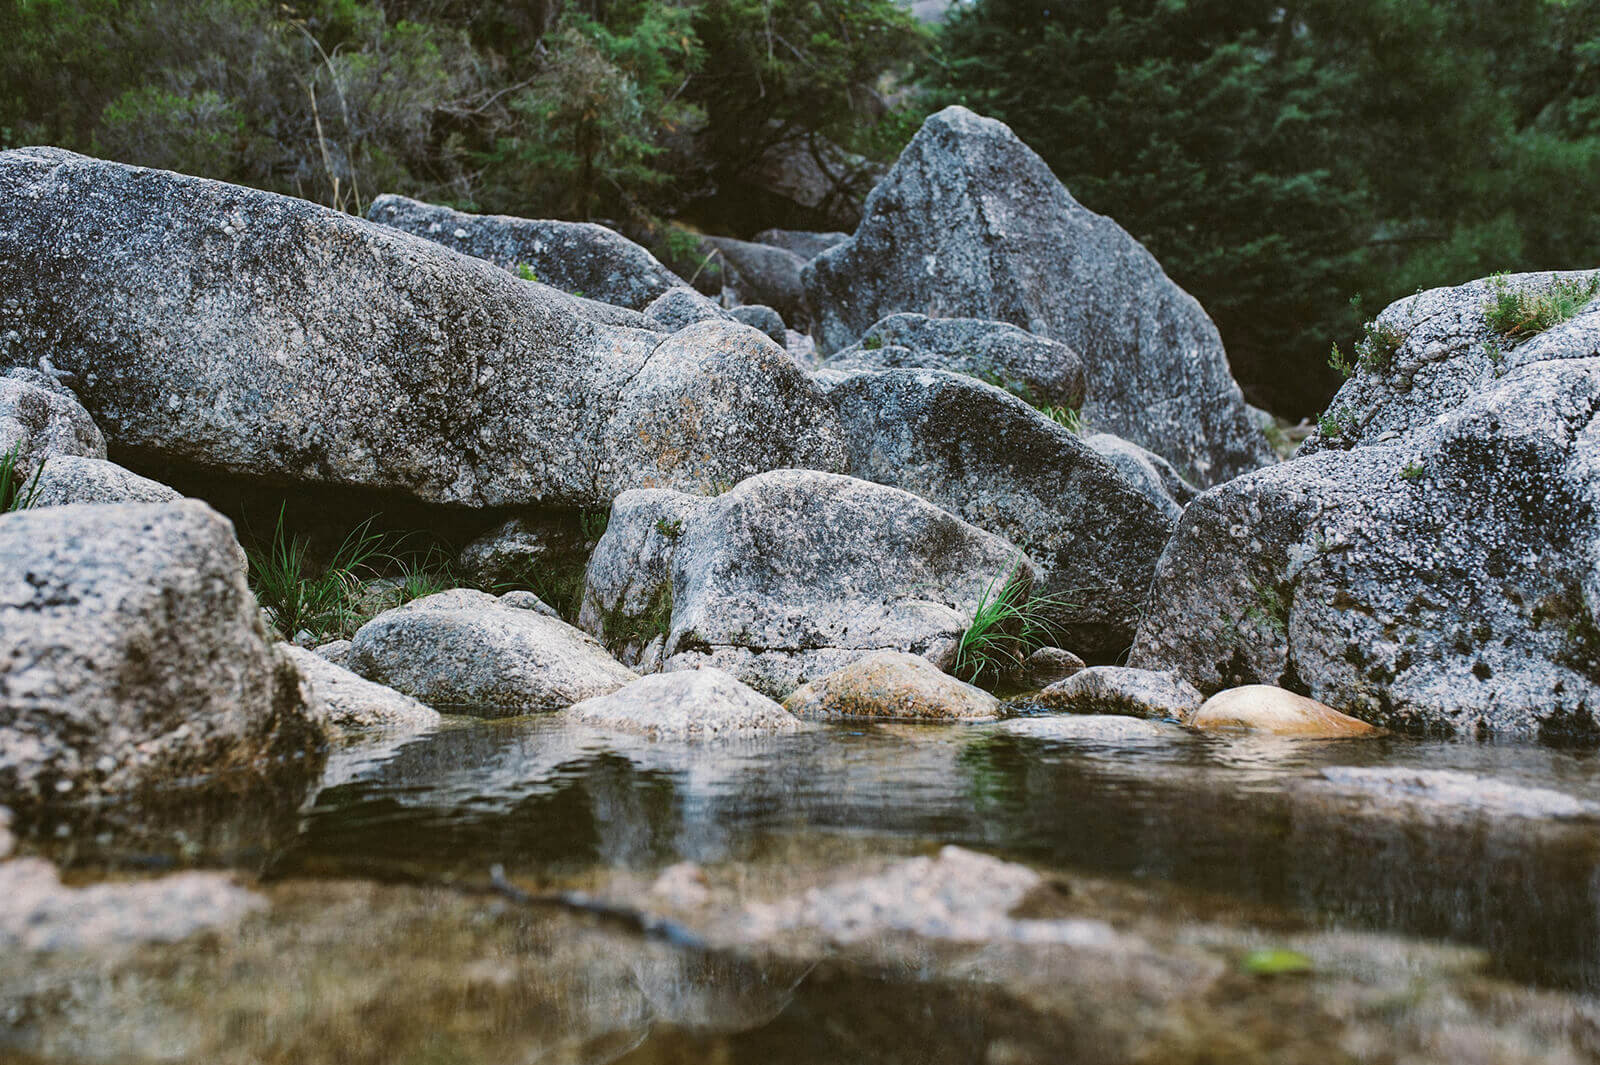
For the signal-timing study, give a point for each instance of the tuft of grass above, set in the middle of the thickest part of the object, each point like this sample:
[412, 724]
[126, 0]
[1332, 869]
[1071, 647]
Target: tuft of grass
[1009, 624]
[1413, 471]
[526, 272]
[17, 490]
[1517, 314]
[872, 343]
[1069, 419]
[302, 596]
[620, 630]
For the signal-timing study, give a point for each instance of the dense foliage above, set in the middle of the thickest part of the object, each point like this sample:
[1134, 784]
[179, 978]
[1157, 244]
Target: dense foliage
[1279, 158]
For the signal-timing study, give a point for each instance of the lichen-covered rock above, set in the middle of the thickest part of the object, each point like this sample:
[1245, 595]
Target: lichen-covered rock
[805, 243]
[714, 404]
[1124, 691]
[891, 686]
[1265, 708]
[40, 914]
[350, 702]
[789, 576]
[68, 479]
[971, 223]
[764, 318]
[988, 457]
[1036, 368]
[582, 258]
[37, 423]
[467, 651]
[1146, 471]
[767, 275]
[680, 307]
[132, 655]
[523, 545]
[1440, 575]
[260, 336]
[691, 704]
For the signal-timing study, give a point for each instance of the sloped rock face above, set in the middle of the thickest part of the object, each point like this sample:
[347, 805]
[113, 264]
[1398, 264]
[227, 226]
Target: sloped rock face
[993, 460]
[1122, 691]
[971, 223]
[132, 654]
[807, 244]
[71, 479]
[468, 651]
[790, 576]
[39, 423]
[1146, 471]
[257, 335]
[1038, 369]
[1438, 576]
[582, 258]
[351, 702]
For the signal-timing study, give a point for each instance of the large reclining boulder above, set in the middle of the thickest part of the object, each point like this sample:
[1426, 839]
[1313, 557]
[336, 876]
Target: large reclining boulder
[788, 577]
[241, 332]
[971, 223]
[577, 257]
[1432, 561]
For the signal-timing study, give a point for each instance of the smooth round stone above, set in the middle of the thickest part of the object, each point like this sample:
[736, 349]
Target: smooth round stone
[1264, 708]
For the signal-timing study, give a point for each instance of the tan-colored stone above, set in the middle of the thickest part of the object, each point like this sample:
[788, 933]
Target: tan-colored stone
[1265, 708]
[892, 686]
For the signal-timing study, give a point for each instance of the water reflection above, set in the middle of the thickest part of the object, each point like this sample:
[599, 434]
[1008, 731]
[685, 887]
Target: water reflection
[1250, 821]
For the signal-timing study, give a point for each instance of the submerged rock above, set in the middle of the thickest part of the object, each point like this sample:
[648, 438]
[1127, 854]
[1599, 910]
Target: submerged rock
[351, 702]
[789, 576]
[1437, 576]
[1120, 690]
[1454, 790]
[1091, 728]
[582, 258]
[68, 479]
[1037, 369]
[1264, 708]
[254, 335]
[40, 914]
[37, 423]
[691, 704]
[958, 895]
[132, 654]
[1046, 666]
[988, 457]
[892, 686]
[971, 223]
[465, 650]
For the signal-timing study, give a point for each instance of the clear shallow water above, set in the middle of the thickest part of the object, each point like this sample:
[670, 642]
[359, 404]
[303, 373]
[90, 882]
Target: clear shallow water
[1170, 840]
[1236, 823]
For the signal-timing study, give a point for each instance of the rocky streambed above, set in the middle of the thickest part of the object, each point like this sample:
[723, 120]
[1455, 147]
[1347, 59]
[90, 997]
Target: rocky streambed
[958, 680]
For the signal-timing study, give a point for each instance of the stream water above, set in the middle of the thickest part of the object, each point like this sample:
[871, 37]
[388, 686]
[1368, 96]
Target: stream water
[1193, 831]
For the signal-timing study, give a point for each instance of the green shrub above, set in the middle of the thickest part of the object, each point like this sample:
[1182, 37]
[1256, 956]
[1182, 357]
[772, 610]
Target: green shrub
[300, 595]
[1517, 314]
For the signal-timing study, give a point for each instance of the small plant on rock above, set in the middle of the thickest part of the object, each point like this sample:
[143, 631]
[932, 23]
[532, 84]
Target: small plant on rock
[1413, 471]
[1338, 427]
[17, 490]
[526, 272]
[872, 343]
[1517, 314]
[1066, 417]
[670, 529]
[1009, 624]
